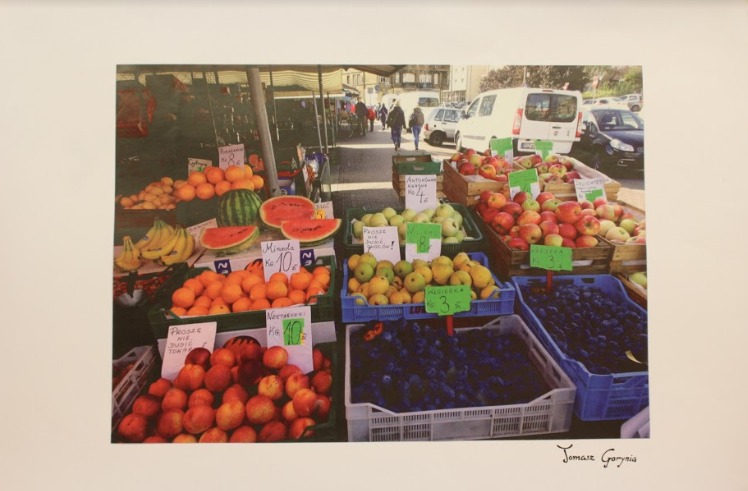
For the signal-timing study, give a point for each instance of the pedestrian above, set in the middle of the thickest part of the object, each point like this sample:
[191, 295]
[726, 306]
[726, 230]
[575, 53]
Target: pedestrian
[396, 121]
[415, 122]
[383, 116]
[371, 115]
[361, 113]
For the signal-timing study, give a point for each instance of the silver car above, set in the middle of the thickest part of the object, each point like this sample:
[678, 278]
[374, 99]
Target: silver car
[440, 125]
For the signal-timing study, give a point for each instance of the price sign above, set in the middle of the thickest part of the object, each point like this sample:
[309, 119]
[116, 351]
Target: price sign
[447, 300]
[423, 241]
[383, 243]
[550, 257]
[589, 189]
[524, 180]
[230, 155]
[291, 327]
[180, 340]
[323, 210]
[280, 256]
[197, 164]
[544, 148]
[502, 147]
[197, 229]
[420, 192]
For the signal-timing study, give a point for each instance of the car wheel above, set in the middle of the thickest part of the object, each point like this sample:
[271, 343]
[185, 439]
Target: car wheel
[436, 138]
[635, 108]
[598, 161]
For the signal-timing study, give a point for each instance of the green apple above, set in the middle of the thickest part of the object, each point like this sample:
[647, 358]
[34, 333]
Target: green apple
[438, 219]
[459, 236]
[421, 218]
[425, 271]
[482, 276]
[353, 261]
[378, 220]
[402, 268]
[367, 219]
[389, 212]
[408, 214]
[457, 217]
[378, 284]
[417, 263]
[450, 240]
[360, 298]
[368, 258]
[443, 260]
[387, 272]
[402, 229]
[640, 278]
[396, 220]
[414, 282]
[459, 259]
[628, 225]
[449, 227]
[358, 229]
[429, 212]
[444, 210]
[363, 272]
[460, 278]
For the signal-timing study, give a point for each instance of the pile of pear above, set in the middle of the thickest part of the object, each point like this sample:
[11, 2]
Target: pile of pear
[380, 282]
[445, 215]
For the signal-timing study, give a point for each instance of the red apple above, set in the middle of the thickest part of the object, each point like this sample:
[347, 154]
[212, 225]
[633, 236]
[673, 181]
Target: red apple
[497, 200]
[484, 195]
[456, 157]
[548, 216]
[557, 170]
[553, 240]
[587, 225]
[535, 159]
[617, 211]
[586, 241]
[586, 205]
[487, 171]
[514, 231]
[589, 212]
[566, 162]
[518, 243]
[492, 161]
[521, 196]
[466, 169]
[567, 230]
[568, 212]
[543, 197]
[549, 228]
[480, 207]
[502, 222]
[528, 216]
[542, 168]
[469, 152]
[606, 212]
[571, 175]
[487, 152]
[513, 208]
[530, 232]
[617, 234]
[489, 214]
[568, 243]
[599, 201]
[476, 159]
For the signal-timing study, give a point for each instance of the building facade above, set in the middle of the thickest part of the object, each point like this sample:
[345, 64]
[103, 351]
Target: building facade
[464, 82]
[410, 78]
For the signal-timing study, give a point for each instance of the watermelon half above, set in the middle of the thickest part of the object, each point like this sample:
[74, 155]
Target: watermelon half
[275, 210]
[309, 231]
[229, 240]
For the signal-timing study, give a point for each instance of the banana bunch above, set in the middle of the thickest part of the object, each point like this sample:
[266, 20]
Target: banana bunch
[180, 247]
[156, 235]
[129, 258]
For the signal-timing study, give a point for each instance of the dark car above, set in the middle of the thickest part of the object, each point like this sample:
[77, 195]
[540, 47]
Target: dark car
[612, 140]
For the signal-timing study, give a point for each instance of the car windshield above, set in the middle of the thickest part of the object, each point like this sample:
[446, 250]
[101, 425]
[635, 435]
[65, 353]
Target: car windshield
[608, 120]
[556, 108]
[428, 101]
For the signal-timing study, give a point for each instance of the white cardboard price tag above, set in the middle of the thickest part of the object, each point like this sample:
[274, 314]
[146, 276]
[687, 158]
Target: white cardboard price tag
[291, 328]
[280, 256]
[383, 243]
[230, 155]
[585, 186]
[198, 228]
[420, 192]
[323, 210]
[182, 339]
[194, 164]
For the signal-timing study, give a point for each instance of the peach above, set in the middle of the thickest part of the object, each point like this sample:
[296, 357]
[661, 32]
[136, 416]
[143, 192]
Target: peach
[244, 347]
[184, 438]
[287, 371]
[317, 358]
[147, 405]
[288, 413]
[235, 393]
[251, 352]
[235, 373]
[199, 418]
[159, 387]
[324, 403]
[175, 398]
[326, 364]
[214, 435]
[218, 378]
[201, 397]
[243, 434]
[223, 356]
[169, 424]
[270, 386]
[304, 402]
[259, 409]
[322, 382]
[230, 415]
[274, 431]
[155, 439]
[296, 382]
[299, 427]
[250, 373]
[133, 427]
[190, 377]
[275, 357]
[198, 356]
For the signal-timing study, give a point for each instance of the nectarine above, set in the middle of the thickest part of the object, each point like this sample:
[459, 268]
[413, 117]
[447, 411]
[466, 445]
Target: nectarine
[147, 405]
[159, 387]
[155, 439]
[305, 402]
[214, 435]
[198, 418]
[184, 438]
[296, 382]
[169, 423]
[230, 415]
[322, 382]
[243, 434]
[175, 398]
[274, 431]
[190, 377]
[288, 370]
[133, 427]
[235, 393]
[259, 409]
[275, 357]
[298, 428]
[270, 386]
[198, 356]
[218, 378]
[201, 397]
[288, 413]
[223, 356]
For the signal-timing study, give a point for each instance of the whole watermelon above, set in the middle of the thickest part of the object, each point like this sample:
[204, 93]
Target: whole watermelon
[239, 207]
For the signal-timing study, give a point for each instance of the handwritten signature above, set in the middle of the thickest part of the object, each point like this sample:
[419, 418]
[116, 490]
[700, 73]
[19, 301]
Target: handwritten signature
[608, 458]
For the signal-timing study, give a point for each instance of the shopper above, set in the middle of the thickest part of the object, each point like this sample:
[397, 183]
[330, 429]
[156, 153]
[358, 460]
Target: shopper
[371, 115]
[383, 116]
[361, 113]
[416, 123]
[396, 121]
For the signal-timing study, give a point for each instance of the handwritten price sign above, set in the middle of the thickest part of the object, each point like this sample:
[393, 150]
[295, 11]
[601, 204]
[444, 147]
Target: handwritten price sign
[420, 192]
[383, 243]
[194, 164]
[230, 155]
[447, 300]
[280, 256]
[180, 340]
[544, 148]
[291, 327]
[524, 180]
[550, 257]
[589, 189]
[502, 147]
[423, 241]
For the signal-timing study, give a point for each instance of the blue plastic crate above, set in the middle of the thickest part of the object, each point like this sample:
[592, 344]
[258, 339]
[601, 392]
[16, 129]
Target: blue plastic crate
[352, 312]
[599, 397]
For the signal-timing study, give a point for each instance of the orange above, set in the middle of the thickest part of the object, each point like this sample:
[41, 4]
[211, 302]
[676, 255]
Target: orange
[219, 309]
[241, 305]
[321, 269]
[311, 292]
[243, 184]
[203, 301]
[183, 297]
[315, 284]
[300, 280]
[281, 302]
[179, 183]
[213, 174]
[205, 190]
[233, 173]
[322, 279]
[207, 277]
[231, 292]
[261, 304]
[126, 202]
[195, 285]
[197, 310]
[258, 181]
[217, 301]
[297, 296]
[221, 187]
[185, 192]
[166, 181]
[250, 281]
[281, 277]
[178, 311]
[248, 172]
[253, 159]
[258, 292]
[196, 177]
[214, 289]
[276, 289]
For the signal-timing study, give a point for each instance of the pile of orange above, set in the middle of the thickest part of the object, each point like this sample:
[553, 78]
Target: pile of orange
[214, 181]
[211, 293]
[157, 195]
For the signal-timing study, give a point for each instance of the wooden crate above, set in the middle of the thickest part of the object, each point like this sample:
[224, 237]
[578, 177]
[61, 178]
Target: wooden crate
[466, 189]
[636, 293]
[628, 258]
[566, 191]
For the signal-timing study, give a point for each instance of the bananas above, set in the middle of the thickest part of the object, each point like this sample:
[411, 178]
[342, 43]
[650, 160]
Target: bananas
[129, 258]
[162, 242]
[149, 236]
[183, 248]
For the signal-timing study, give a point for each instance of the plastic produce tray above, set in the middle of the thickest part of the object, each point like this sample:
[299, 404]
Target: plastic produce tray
[549, 413]
[599, 397]
[160, 317]
[132, 384]
[474, 238]
[351, 312]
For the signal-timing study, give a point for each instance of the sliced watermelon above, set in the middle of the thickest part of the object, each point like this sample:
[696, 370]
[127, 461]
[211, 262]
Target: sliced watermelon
[274, 210]
[309, 231]
[229, 240]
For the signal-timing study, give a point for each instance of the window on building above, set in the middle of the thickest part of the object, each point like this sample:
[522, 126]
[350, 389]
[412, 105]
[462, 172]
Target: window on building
[408, 78]
[436, 79]
[424, 78]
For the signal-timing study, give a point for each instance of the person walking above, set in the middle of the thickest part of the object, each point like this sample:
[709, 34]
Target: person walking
[371, 115]
[383, 116]
[396, 121]
[416, 123]
[361, 113]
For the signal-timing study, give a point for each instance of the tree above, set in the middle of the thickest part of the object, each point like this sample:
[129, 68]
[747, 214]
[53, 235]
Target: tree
[541, 76]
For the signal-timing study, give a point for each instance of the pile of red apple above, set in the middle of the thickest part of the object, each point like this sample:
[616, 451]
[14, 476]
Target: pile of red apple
[471, 162]
[241, 392]
[554, 169]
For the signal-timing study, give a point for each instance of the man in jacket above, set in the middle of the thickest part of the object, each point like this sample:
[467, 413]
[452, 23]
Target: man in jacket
[396, 121]
[361, 113]
[416, 123]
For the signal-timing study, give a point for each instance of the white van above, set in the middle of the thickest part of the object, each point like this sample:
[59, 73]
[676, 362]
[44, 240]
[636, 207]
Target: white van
[525, 115]
[426, 100]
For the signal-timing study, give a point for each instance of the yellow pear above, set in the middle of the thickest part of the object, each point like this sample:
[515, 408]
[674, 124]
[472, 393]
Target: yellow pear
[378, 284]
[353, 285]
[459, 259]
[490, 292]
[418, 297]
[441, 272]
[425, 271]
[353, 261]
[482, 277]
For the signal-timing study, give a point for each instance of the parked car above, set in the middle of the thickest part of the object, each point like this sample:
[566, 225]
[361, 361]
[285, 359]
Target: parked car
[614, 102]
[633, 101]
[612, 139]
[440, 125]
